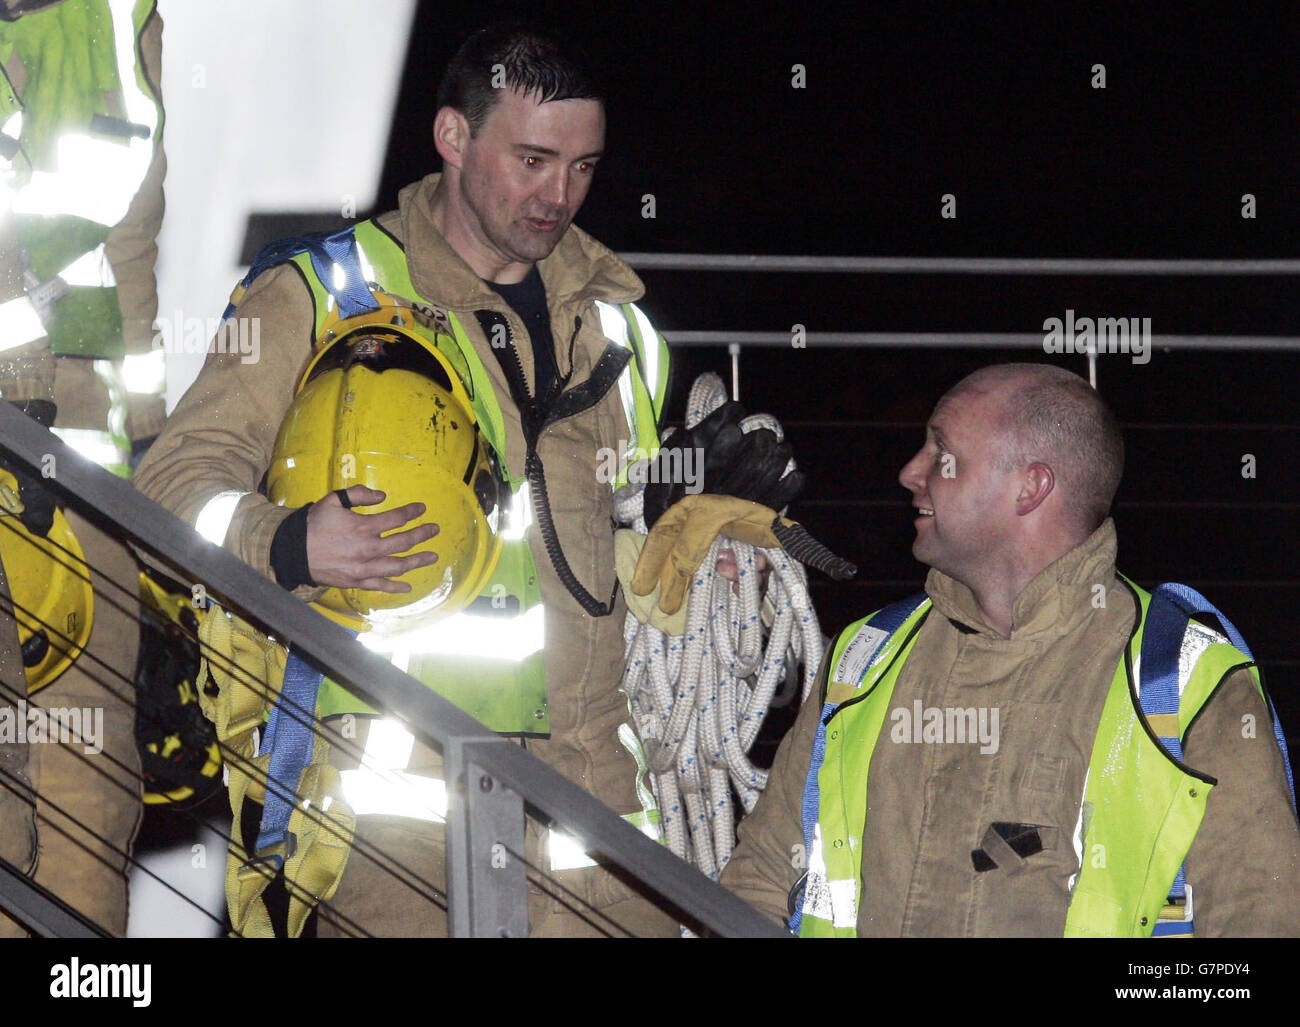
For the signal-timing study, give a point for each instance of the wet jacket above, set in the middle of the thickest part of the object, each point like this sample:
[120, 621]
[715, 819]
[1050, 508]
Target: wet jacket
[930, 805]
[221, 435]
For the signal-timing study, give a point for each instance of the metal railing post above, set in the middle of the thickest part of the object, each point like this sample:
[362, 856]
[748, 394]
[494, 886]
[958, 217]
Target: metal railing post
[487, 885]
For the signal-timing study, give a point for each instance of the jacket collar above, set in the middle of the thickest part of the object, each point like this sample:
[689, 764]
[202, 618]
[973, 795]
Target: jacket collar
[1054, 602]
[578, 268]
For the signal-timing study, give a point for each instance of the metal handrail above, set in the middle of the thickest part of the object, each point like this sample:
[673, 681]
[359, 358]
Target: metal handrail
[424, 712]
[955, 265]
[744, 263]
[979, 340]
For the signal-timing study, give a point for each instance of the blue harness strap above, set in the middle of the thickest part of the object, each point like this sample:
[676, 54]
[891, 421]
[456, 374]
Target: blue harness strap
[289, 734]
[1172, 606]
[289, 738]
[328, 252]
[888, 619]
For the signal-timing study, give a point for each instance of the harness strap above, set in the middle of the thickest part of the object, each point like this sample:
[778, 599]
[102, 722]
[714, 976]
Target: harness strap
[328, 252]
[288, 741]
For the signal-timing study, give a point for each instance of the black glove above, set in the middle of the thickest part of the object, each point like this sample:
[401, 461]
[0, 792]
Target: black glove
[38, 502]
[747, 465]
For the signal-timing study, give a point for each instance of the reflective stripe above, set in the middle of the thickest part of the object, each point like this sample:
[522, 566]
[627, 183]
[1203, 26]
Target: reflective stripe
[613, 324]
[145, 373]
[214, 519]
[615, 328]
[566, 851]
[110, 374]
[19, 323]
[395, 793]
[140, 107]
[96, 446]
[649, 349]
[13, 126]
[835, 901]
[381, 786]
[96, 180]
[367, 269]
[1079, 830]
[90, 269]
[521, 514]
[828, 898]
[465, 634]
[1196, 639]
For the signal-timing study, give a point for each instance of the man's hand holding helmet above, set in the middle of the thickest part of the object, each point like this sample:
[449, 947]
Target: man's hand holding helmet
[350, 549]
[382, 417]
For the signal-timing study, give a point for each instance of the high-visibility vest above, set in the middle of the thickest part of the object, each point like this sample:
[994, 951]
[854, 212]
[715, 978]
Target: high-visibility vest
[1145, 807]
[487, 659]
[88, 124]
[82, 139]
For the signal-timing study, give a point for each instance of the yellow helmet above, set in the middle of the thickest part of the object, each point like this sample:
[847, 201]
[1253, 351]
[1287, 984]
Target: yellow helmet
[380, 406]
[49, 585]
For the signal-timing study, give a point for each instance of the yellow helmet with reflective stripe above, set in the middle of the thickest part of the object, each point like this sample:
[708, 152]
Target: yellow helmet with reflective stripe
[49, 586]
[380, 406]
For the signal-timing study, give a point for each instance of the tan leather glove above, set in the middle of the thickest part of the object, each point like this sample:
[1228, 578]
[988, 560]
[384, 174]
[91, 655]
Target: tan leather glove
[627, 553]
[681, 539]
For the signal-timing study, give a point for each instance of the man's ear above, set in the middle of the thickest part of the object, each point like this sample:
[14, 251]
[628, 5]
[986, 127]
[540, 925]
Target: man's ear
[450, 136]
[1037, 484]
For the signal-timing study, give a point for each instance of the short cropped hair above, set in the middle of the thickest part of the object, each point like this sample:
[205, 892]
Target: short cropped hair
[1054, 416]
[521, 58]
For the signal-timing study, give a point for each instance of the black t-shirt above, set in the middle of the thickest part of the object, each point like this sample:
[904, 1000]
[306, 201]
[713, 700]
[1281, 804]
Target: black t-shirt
[528, 300]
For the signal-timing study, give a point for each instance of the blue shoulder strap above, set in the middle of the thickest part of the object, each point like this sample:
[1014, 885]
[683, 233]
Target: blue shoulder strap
[1172, 606]
[328, 251]
[888, 619]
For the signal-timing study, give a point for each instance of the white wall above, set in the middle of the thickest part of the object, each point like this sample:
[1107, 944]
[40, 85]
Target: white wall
[272, 106]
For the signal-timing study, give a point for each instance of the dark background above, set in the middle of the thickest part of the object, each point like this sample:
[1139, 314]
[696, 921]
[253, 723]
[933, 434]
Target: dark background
[995, 105]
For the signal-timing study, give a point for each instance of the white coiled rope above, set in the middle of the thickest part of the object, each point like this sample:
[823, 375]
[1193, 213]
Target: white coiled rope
[699, 699]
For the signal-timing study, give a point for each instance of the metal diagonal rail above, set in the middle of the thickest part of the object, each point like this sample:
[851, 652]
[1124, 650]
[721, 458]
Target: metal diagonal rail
[39, 910]
[745, 262]
[976, 340]
[424, 712]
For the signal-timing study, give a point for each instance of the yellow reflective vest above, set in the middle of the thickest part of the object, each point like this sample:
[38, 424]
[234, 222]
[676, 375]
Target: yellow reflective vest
[1141, 807]
[488, 658]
